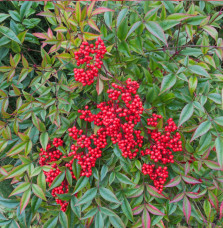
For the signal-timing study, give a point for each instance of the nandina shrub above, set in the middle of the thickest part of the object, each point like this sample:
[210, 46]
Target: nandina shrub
[116, 119]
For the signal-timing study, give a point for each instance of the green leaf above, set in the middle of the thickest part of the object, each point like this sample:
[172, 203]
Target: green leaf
[116, 222]
[81, 183]
[3, 16]
[9, 33]
[192, 84]
[219, 120]
[156, 30]
[123, 29]
[99, 222]
[199, 70]
[63, 219]
[25, 8]
[104, 171]
[124, 179]
[44, 138]
[133, 28]
[207, 208]
[18, 171]
[90, 213]
[17, 149]
[25, 199]
[211, 31]
[57, 181]
[127, 210]
[219, 150]
[41, 181]
[51, 223]
[38, 191]
[21, 188]
[121, 16]
[108, 212]
[168, 82]
[69, 177]
[87, 197]
[215, 97]
[78, 12]
[108, 195]
[186, 113]
[202, 129]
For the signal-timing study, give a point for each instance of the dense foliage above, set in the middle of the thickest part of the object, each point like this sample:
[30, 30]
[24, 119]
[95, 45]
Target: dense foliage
[111, 114]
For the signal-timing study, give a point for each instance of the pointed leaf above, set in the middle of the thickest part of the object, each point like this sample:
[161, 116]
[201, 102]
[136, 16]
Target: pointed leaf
[44, 138]
[116, 222]
[25, 200]
[9, 33]
[187, 208]
[153, 210]
[190, 180]
[108, 195]
[199, 70]
[21, 188]
[178, 197]
[57, 181]
[168, 82]
[38, 191]
[202, 129]
[126, 208]
[81, 183]
[101, 10]
[219, 151]
[174, 182]
[137, 210]
[63, 219]
[156, 30]
[186, 113]
[18, 171]
[146, 221]
[124, 179]
[88, 196]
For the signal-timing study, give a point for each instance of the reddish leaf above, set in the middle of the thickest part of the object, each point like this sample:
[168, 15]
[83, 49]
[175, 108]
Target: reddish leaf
[90, 36]
[50, 33]
[221, 210]
[213, 200]
[145, 219]
[3, 171]
[187, 168]
[153, 191]
[92, 24]
[137, 210]
[46, 14]
[212, 165]
[178, 197]
[101, 10]
[154, 210]
[99, 86]
[187, 208]
[40, 35]
[191, 180]
[193, 195]
[174, 182]
[90, 8]
[25, 200]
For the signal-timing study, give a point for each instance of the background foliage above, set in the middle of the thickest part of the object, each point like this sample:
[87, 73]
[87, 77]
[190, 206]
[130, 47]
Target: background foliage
[173, 49]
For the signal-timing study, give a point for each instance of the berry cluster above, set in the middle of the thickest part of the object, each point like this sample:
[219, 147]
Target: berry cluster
[49, 157]
[93, 63]
[158, 175]
[161, 148]
[116, 119]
